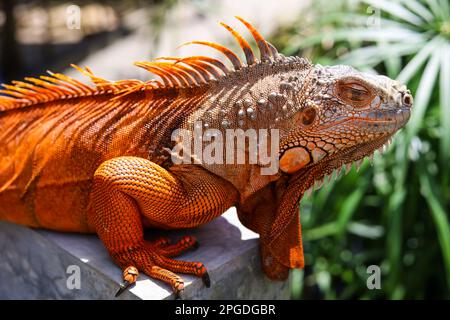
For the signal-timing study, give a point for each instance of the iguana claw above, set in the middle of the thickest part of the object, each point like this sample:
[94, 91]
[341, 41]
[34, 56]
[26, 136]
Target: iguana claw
[206, 280]
[178, 295]
[130, 275]
[195, 245]
[123, 287]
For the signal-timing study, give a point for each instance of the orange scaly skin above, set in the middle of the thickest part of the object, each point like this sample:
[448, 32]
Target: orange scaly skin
[97, 159]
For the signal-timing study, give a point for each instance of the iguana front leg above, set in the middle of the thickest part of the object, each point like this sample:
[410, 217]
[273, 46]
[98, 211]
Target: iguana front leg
[273, 213]
[128, 192]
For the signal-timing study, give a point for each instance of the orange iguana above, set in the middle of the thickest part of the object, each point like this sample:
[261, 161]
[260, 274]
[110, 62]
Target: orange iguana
[98, 159]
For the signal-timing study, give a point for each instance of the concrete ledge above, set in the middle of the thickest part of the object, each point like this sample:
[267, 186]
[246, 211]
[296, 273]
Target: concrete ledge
[34, 265]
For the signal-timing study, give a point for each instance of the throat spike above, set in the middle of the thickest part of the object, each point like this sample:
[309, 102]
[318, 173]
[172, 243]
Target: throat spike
[308, 192]
[318, 184]
[348, 167]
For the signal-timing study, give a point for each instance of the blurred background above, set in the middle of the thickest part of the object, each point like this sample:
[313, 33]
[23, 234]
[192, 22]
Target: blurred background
[393, 213]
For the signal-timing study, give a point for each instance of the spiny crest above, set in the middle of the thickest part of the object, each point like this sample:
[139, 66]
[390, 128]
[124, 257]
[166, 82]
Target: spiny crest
[198, 70]
[46, 88]
[175, 72]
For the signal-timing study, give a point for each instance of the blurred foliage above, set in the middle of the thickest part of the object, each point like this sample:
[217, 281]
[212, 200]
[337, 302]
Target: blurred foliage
[393, 214]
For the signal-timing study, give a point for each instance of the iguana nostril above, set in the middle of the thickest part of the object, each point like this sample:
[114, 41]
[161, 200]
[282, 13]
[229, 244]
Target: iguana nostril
[407, 99]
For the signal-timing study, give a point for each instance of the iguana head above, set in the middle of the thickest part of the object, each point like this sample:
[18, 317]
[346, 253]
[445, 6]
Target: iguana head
[345, 115]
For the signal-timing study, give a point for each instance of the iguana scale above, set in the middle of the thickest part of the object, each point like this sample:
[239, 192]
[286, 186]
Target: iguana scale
[95, 159]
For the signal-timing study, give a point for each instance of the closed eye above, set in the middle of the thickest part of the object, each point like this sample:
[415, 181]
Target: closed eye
[354, 93]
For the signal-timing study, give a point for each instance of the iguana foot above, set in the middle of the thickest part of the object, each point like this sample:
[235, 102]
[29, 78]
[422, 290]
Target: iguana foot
[153, 260]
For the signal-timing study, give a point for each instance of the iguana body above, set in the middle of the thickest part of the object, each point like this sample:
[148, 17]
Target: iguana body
[97, 159]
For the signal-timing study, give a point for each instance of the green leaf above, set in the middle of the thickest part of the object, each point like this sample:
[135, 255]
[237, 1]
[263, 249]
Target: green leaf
[423, 94]
[357, 19]
[320, 232]
[445, 103]
[297, 283]
[413, 66]
[359, 34]
[393, 66]
[365, 231]
[439, 217]
[396, 10]
[393, 63]
[349, 207]
[419, 9]
[373, 54]
[445, 9]
[436, 8]
[394, 237]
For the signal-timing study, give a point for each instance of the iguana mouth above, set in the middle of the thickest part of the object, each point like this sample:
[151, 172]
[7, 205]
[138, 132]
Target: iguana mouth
[378, 121]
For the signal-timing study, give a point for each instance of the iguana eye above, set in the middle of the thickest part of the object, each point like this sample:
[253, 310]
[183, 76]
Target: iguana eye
[354, 93]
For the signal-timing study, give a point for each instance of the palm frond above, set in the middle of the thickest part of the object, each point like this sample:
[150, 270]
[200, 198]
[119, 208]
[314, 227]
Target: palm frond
[423, 94]
[396, 10]
[445, 103]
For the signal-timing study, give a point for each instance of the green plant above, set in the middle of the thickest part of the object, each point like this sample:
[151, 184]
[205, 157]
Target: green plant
[397, 216]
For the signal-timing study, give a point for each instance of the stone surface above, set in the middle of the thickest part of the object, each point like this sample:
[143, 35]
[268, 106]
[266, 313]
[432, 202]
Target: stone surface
[34, 264]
